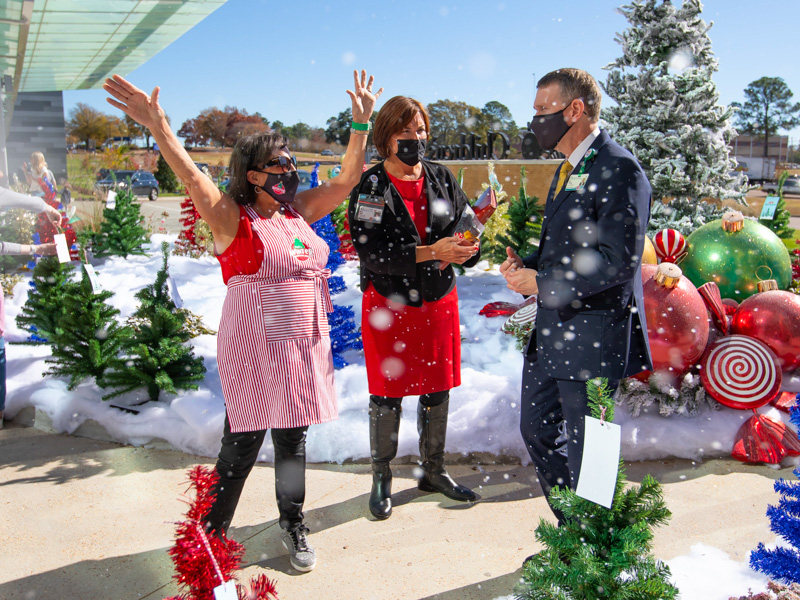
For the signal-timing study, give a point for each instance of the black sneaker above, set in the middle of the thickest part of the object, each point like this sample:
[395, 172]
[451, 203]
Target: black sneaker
[301, 554]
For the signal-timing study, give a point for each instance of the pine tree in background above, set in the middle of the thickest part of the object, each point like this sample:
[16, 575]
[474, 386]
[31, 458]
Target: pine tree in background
[88, 338]
[156, 356]
[121, 232]
[165, 176]
[780, 223]
[783, 563]
[44, 309]
[524, 222]
[344, 333]
[667, 111]
[600, 552]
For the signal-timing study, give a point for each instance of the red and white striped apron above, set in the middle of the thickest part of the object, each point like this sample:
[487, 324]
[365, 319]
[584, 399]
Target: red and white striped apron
[273, 346]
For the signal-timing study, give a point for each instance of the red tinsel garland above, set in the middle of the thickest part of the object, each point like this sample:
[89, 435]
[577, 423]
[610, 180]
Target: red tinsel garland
[193, 565]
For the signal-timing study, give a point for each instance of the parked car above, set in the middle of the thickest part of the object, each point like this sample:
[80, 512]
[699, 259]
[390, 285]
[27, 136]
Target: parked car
[143, 183]
[327, 152]
[791, 187]
[305, 181]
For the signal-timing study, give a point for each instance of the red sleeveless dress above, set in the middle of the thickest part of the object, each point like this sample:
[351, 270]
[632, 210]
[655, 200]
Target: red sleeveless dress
[273, 346]
[411, 350]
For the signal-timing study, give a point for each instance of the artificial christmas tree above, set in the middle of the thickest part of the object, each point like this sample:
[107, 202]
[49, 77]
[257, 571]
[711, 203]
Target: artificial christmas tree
[194, 240]
[88, 337]
[156, 356]
[667, 113]
[524, 217]
[44, 309]
[121, 232]
[600, 552]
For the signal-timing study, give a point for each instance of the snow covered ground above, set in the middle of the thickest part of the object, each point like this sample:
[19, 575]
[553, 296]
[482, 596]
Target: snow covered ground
[484, 410]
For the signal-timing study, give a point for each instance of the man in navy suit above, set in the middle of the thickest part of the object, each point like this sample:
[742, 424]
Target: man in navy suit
[587, 274]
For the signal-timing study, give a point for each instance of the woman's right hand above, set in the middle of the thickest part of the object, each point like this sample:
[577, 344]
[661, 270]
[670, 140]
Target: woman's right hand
[140, 107]
[453, 250]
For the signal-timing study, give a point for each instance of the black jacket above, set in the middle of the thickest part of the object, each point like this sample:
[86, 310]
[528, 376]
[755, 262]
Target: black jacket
[387, 250]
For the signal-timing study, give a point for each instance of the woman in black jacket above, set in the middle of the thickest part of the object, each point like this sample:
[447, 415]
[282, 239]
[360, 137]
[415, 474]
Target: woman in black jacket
[402, 219]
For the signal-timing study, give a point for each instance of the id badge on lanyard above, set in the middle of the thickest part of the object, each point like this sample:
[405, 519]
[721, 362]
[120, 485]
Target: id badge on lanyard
[370, 208]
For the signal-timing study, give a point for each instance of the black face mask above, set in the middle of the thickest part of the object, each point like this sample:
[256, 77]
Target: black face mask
[281, 186]
[411, 151]
[549, 129]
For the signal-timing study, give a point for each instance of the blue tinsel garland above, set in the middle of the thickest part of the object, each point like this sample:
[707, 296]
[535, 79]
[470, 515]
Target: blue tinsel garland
[783, 563]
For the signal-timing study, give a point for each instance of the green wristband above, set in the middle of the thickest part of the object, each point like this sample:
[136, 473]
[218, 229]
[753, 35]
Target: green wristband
[360, 126]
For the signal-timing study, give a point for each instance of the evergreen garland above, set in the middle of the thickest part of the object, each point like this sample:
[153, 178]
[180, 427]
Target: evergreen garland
[121, 232]
[165, 176]
[667, 113]
[88, 337]
[783, 563]
[44, 310]
[600, 552]
[779, 224]
[156, 356]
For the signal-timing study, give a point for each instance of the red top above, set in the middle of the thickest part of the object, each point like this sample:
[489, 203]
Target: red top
[416, 201]
[245, 254]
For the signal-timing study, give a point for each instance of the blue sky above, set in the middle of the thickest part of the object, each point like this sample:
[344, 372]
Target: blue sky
[293, 61]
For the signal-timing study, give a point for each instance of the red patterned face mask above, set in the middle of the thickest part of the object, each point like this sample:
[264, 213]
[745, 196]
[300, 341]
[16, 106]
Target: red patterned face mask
[282, 186]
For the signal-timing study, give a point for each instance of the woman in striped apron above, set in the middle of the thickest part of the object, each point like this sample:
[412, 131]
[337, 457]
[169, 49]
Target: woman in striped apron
[273, 347]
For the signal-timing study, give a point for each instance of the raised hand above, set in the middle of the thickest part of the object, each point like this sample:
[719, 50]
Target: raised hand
[363, 99]
[512, 263]
[140, 107]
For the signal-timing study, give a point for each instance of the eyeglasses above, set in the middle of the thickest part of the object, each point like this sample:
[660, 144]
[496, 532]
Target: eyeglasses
[282, 162]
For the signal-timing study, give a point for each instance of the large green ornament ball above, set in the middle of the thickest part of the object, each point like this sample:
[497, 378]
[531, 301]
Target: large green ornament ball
[736, 261]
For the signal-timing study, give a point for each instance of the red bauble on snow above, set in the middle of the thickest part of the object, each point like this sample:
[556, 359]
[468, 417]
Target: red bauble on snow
[677, 321]
[772, 317]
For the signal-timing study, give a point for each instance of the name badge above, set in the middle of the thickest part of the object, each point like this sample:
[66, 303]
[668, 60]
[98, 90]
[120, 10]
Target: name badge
[576, 182]
[369, 208]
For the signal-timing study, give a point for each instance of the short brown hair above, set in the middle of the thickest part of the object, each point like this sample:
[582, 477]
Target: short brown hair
[575, 83]
[251, 152]
[393, 117]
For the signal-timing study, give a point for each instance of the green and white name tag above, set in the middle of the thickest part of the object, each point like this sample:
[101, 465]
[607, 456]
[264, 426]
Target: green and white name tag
[369, 208]
[576, 182]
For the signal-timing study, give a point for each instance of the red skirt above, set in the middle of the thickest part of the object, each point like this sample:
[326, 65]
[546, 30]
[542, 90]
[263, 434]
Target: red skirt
[411, 350]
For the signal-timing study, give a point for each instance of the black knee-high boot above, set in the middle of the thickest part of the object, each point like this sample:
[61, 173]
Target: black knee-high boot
[384, 425]
[432, 428]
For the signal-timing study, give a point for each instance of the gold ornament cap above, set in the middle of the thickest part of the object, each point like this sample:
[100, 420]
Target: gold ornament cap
[767, 285]
[668, 275]
[732, 221]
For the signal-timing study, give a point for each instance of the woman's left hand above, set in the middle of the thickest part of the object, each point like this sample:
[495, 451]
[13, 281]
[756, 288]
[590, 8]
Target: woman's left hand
[363, 99]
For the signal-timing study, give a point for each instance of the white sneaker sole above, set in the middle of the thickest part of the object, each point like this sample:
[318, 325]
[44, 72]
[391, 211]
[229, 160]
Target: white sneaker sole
[295, 566]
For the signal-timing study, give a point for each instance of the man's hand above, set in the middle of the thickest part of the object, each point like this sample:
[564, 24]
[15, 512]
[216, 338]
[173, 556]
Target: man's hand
[512, 263]
[522, 281]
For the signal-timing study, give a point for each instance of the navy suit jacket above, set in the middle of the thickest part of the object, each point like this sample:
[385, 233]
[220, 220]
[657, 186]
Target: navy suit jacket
[591, 320]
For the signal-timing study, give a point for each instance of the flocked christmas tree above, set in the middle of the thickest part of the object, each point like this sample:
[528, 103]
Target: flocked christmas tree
[344, 333]
[156, 356]
[44, 310]
[783, 562]
[88, 337]
[121, 232]
[600, 552]
[667, 111]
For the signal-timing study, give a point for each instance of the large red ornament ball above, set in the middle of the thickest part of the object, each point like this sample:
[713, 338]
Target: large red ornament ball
[677, 320]
[774, 318]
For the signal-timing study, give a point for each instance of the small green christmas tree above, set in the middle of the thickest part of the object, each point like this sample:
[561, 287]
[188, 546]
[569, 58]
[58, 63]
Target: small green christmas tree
[156, 357]
[122, 232]
[165, 176]
[44, 309]
[525, 222]
[600, 552]
[88, 337]
[780, 223]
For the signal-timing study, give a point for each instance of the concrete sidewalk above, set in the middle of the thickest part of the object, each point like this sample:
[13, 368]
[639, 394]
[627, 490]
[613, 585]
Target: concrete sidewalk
[89, 520]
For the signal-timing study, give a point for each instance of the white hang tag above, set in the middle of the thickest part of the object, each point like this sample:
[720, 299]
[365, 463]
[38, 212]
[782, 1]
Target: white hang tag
[96, 287]
[111, 200]
[173, 292]
[601, 447]
[62, 250]
[226, 591]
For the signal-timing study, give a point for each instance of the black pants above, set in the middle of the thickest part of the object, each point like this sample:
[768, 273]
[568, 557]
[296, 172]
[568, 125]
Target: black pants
[555, 449]
[236, 459]
[427, 400]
